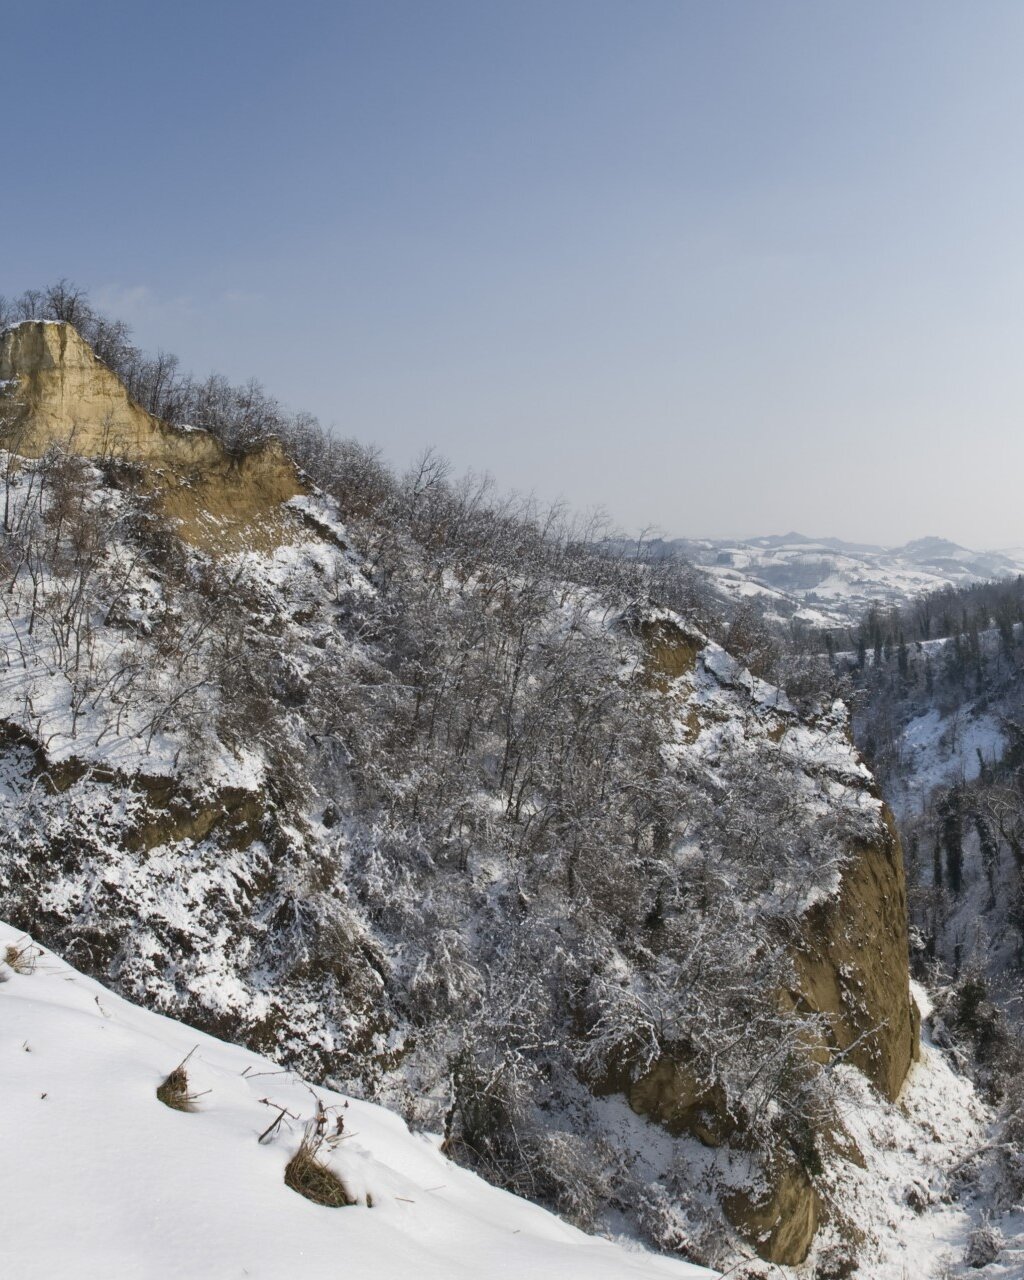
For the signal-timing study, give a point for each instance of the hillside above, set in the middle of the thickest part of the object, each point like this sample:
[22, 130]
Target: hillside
[54, 390]
[941, 718]
[828, 582]
[437, 801]
[108, 1181]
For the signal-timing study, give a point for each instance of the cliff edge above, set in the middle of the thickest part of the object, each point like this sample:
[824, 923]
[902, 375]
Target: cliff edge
[54, 391]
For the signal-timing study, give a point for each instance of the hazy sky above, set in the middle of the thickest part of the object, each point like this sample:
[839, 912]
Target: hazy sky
[725, 268]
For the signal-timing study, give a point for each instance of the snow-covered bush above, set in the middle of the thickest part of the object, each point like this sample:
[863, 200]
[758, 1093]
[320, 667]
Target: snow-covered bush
[984, 1244]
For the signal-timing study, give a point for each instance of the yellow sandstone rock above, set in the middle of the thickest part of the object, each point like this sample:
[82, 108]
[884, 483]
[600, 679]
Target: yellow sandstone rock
[54, 391]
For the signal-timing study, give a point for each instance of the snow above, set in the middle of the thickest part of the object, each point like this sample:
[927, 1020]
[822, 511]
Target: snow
[728, 671]
[99, 1179]
[909, 1201]
[134, 1189]
[92, 689]
[938, 750]
[831, 583]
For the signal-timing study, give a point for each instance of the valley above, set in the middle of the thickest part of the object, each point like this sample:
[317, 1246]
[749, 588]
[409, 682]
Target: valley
[435, 804]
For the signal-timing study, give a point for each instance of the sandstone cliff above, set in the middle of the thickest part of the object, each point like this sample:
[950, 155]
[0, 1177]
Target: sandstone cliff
[185, 891]
[850, 953]
[54, 391]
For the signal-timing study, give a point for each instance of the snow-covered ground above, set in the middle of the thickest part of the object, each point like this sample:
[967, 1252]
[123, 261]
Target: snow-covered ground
[938, 750]
[827, 582]
[98, 1179]
[903, 1202]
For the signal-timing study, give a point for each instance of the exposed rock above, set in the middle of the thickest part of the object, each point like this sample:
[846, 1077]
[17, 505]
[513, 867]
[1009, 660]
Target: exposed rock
[850, 954]
[672, 1096]
[54, 391]
[171, 811]
[852, 965]
[172, 814]
[781, 1225]
[670, 651]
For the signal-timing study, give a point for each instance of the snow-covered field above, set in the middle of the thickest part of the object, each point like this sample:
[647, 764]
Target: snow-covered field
[99, 1180]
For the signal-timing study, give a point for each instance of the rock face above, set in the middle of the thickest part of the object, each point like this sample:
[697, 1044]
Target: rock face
[850, 953]
[54, 391]
[782, 1224]
[852, 965]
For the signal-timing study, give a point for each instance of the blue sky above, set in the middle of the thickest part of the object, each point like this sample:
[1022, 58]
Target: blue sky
[723, 267]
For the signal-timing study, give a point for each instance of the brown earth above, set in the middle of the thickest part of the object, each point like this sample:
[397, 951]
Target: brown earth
[852, 965]
[58, 393]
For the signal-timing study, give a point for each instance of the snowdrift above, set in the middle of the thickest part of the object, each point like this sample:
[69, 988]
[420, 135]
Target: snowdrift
[100, 1179]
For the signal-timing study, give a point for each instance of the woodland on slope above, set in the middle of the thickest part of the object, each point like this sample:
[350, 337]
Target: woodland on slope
[449, 804]
[937, 687]
[940, 713]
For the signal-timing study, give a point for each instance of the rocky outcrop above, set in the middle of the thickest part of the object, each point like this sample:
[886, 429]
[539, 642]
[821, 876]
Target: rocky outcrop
[672, 1096]
[849, 952]
[852, 966]
[54, 391]
[164, 810]
[781, 1223]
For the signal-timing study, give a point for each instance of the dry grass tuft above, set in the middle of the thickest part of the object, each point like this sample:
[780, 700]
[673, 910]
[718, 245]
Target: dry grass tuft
[21, 957]
[307, 1174]
[174, 1092]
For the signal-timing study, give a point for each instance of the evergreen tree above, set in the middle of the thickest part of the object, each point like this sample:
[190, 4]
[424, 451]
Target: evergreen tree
[903, 657]
[951, 812]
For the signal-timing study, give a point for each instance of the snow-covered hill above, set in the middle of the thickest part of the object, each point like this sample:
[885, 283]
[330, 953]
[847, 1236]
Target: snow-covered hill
[99, 1179]
[440, 809]
[429, 801]
[829, 582]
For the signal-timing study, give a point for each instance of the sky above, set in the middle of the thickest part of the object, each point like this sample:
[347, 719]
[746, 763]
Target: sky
[723, 268]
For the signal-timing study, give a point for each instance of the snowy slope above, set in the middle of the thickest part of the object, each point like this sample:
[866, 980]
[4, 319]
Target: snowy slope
[827, 582]
[99, 1179]
[916, 1200]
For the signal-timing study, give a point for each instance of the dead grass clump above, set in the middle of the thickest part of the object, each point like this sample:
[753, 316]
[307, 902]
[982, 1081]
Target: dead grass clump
[174, 1092]
[307, 1174]
[21, 957]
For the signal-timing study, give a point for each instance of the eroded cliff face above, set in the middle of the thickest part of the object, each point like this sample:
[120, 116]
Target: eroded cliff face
[852, 966]
[54, 391]
[850, 952]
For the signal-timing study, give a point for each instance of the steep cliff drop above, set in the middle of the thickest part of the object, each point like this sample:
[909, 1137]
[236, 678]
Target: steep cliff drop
[850, 955]
[844, 929]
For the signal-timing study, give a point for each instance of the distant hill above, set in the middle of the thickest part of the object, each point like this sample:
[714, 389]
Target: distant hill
[826, 581]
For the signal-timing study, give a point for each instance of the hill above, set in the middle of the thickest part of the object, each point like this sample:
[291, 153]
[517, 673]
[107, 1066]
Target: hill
[828, 582]
[109, 1181]
[442, 802]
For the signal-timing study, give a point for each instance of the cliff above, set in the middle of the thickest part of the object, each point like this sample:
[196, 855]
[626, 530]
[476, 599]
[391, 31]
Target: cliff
[849, 949]
[414, 807]
[55, 391]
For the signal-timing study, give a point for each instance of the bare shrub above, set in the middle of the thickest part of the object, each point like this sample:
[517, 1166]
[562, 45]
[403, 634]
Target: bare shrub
[175, 1092]
[984, 1244]
[307, 1174]
[21, 957]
